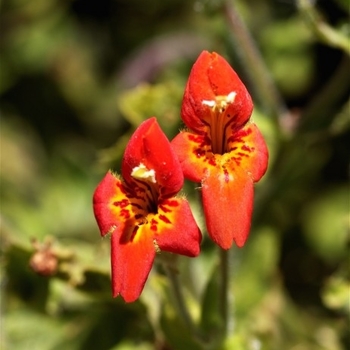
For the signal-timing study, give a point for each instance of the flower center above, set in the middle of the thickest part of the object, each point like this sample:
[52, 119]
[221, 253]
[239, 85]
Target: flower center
[147, 183]
[219, 120]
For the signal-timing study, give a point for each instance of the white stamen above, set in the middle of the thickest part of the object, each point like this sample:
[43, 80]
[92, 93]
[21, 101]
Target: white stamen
[220, 103]
[210, 103]
[231, 97]
[141, 172]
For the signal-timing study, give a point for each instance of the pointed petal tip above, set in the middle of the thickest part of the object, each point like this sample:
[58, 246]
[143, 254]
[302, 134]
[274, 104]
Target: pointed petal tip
[127, 297]
[240, 241]
[226, 242]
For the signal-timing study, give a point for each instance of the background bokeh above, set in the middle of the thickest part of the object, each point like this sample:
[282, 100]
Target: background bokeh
[78, 76]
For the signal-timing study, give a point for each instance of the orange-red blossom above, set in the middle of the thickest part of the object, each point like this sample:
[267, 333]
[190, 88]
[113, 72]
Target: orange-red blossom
[142, 212]
[222, 148]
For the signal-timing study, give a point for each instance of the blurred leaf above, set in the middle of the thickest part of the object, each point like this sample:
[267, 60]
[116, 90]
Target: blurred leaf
[287, 46]
[322, 30]
[336, 291]
[253, 277]
[30, 47]
[241, 342]
[96, 283]
[341, 121]
[26, 329]
[19, 142]
[345, 4]
[177, 334]
[326, 223]
[110, 158]
[161, 100]
[128, 345]
[22, 282]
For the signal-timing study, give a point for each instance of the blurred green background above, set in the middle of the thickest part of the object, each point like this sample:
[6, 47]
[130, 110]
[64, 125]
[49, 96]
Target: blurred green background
[78, 76]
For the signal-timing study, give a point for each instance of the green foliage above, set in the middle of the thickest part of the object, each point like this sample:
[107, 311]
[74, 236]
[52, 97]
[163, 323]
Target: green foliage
[76, 78]
[148, 100]
[288, 50]
[330, 213]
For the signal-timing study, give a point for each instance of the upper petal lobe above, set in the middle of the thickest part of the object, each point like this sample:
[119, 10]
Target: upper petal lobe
[212, 77]
[149, 146]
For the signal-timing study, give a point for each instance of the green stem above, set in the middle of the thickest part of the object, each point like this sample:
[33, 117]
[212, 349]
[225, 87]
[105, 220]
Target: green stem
[257, 71]
[319, 112]
[323, 31]
[180, 301]
[224, 290]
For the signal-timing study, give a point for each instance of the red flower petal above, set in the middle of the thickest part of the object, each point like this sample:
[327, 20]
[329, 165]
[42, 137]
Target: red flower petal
[138, 230]
[131, 257]
[109, 190]
[211, 78]
[227, 180]
[228, 204]
[150, 147]
[247, 149]
[134, 245]
[178, 232]
[194, 153]
[131, 263]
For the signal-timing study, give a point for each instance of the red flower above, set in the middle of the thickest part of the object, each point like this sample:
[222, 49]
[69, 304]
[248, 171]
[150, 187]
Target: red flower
[141, 212]
[223, 149]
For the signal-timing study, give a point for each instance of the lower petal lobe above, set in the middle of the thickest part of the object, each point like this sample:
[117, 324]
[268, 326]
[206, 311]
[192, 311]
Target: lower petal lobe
[228, 204]
[131, 264]
[178, 232]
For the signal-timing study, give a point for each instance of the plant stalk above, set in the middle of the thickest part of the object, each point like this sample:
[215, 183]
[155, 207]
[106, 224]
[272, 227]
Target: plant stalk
[322, 30]
[257, 71]
[181, 305]
[224, 304]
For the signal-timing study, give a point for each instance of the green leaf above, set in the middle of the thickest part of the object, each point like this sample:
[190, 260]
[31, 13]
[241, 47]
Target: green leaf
[253, 277]
[162, 101]
[326, 223]
[22, 282]
[26, 329]
[129, 345]
[176, 332]
[336, 292]
[286, 45]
